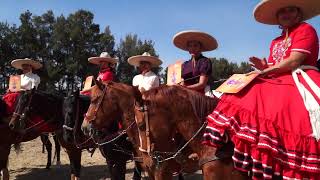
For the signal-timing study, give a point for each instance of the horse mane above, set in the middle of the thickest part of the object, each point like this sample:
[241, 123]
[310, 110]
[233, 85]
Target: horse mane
[3, 108]
[182, 98]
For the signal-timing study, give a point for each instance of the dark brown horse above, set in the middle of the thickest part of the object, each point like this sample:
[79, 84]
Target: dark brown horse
[114, 98]
[49, 108]
[10, 137]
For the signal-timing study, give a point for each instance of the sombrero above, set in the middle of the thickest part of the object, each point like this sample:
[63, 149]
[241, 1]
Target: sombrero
[135, 60]
[208, 42]
[17, 63]
[104, 57]
[266, 11]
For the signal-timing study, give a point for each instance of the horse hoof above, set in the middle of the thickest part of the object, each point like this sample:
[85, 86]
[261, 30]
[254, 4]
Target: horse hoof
[48, 167]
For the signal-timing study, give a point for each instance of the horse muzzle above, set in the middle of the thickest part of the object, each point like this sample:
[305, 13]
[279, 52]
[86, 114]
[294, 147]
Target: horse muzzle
[87, 129]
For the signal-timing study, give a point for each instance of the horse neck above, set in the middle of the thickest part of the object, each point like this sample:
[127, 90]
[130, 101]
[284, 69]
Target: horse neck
[188, 113]
[128, 117]
[47, 107]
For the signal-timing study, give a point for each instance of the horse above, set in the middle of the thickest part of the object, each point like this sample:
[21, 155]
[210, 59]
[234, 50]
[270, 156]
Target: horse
[112, 99]
[116, 153]
[47, 145]
[37, 112]
[170, 110]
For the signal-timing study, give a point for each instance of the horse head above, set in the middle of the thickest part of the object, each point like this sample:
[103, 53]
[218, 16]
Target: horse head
[23, 106]
[69, 108]
[105, 107]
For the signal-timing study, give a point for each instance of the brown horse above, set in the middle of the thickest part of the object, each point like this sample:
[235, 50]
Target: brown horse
[169, 109]
[171, 114]
[117, 103]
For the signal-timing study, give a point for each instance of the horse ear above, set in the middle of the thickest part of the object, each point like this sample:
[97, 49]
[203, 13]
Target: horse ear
[99, 84]
[69, 93]
[33, 90]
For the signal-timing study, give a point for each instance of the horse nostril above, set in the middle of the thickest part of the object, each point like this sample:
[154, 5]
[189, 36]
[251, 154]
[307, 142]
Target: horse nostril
[11, 126]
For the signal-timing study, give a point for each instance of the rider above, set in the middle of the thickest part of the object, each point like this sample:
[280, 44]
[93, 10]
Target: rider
[196, 71]
[274, 121]
[106, 72]
[147, 79]
[29, 80]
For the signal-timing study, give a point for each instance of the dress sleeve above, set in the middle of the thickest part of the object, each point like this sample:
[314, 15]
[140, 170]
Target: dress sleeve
[205, 67]
[135, 80]
[305, 40]
[107, 76]
[153, 82]
[270, 58]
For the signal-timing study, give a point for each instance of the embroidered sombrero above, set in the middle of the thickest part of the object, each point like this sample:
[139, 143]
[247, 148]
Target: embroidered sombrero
[266, 11]
[135, 60]
[104, 57]
[208, 42]
[17, 63]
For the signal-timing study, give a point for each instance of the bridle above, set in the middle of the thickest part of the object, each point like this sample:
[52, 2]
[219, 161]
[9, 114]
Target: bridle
[158, 156]
[26, 110]
[114, 136]
[94, 116]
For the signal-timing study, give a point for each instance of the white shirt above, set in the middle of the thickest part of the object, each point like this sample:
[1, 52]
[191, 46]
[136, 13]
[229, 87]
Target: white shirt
[29, 81]
[147, 81]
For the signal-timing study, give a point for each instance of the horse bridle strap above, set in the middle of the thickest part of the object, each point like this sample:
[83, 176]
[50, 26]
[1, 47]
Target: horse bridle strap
[97, 108]
[28, 107]
[144, 109]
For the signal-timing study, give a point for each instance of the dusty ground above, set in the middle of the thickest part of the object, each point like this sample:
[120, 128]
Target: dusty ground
[30, 165]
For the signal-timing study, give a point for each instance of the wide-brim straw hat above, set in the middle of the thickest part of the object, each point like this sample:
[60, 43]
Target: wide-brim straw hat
[135, 60]
[17, 63]
[181, 39]
[104, 57]
[266, 11]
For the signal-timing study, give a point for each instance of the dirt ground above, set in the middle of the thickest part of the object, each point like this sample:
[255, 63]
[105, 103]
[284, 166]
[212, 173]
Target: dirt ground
[30, 164]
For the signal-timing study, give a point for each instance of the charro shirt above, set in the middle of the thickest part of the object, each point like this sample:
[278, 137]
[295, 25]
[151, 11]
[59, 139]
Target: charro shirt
[147, 81]
[29, 81]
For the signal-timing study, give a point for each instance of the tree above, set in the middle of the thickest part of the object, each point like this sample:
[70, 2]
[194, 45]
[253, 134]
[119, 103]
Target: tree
[131, 45]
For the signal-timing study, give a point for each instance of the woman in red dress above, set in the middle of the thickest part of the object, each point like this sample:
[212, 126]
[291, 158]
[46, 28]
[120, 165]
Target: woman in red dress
[106, 72]
[274, 122]
[28, 79]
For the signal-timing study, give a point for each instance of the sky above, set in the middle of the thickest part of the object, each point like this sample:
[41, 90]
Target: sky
[230, 21]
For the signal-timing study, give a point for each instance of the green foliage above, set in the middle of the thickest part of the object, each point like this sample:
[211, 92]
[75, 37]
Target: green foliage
[132, 46]
[64, 44]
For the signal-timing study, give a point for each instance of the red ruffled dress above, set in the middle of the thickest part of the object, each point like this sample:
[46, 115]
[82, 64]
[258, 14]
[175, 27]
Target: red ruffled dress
[267, 121]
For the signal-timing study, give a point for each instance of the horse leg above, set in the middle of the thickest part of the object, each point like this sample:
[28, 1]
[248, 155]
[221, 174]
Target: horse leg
[117, 169]
[4, 156]
[75, 163]
[58, 148]
[163, 172]
[137, 171]
[45, 140]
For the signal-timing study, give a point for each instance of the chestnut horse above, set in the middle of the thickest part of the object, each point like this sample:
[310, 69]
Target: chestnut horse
[116, 153]
[108, 112]
[175, 117]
